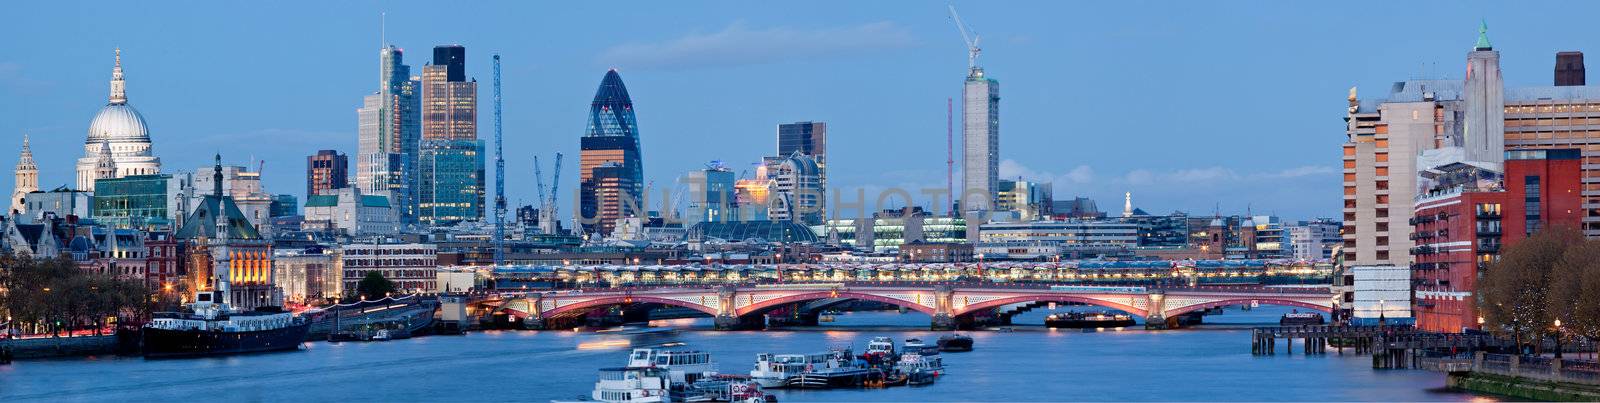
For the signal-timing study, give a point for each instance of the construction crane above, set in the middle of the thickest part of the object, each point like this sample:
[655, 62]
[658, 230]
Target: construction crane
[550, 203]
[538, 181]
[970, 36]
[499, 176]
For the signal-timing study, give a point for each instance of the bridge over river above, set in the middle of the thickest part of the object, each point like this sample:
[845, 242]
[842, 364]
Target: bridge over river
[950, 304]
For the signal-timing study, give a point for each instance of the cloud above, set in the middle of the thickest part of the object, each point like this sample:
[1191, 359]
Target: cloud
[1011, 169]
[740, 44]
[1308, 170]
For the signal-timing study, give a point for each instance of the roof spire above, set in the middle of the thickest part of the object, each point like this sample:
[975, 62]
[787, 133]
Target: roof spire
[1483, 37]
[119, 94]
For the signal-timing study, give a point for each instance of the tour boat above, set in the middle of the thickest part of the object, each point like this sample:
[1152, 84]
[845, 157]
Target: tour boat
[915, 345]
[1077, 320]
[211, 330]
[955, 342]
[775, 371]
[632, 385]
[683, 367]
[880, 346]
[1297, 318]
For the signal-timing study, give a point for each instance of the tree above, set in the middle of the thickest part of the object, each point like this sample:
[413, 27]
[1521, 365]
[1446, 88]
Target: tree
[1516, 291]
[374, 286]
[1574, 298]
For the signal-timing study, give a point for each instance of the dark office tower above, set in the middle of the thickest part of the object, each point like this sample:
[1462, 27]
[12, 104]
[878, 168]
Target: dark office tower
[326, 171]
[1569, 69]
[453, 58]
[610, 169]
[809, 138]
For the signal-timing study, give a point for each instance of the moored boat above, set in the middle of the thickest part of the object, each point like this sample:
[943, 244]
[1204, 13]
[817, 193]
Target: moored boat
[1079, 320]
[1297, 318]
[955, 343]
[211, 330]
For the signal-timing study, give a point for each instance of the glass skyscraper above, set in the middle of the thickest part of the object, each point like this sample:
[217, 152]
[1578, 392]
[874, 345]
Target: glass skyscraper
[390, 135]
[452, 163]
[610, 171]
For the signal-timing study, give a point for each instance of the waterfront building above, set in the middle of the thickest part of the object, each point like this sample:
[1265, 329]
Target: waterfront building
[163, 264]
[1379, 294]
[326, 170]
[452, 158]
[1024, 200]
[886, 231]
[225, 252]
[610, 167]
[1470, 213]
[351, 212]
[711, 195]
[390, 136]
[121, 131]
[308, 275]
[798, 194]
[1315, 239]
[24, 239]
[1552, 118]
[980, 155]
[142, 201]
[1385, 139]
[61, 202]
[1483, 104]
[939, 252]
[27, 179]
[411, 266]
[1041, 240]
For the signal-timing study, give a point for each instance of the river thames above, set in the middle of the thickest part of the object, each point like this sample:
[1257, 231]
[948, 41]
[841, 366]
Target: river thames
[1210, 362]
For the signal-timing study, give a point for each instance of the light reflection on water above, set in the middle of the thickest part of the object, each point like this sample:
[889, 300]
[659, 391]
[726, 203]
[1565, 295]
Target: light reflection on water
[1212, 362]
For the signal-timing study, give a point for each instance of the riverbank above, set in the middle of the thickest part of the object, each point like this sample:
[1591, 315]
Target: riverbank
[1523, 388]
[53, 347]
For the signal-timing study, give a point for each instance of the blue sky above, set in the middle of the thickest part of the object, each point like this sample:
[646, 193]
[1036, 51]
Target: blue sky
[1189, 105]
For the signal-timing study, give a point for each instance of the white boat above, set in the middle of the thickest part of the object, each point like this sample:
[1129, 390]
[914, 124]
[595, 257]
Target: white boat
[683, 367]
[914, 361]
[630, 385]
[880, 346]
[776, 370]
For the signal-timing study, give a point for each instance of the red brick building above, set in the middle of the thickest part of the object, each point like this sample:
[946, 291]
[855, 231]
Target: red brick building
[1470, 212]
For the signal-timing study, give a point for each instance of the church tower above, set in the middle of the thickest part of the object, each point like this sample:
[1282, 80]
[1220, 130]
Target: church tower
[106, 166]
[120, 128]
[27, 178]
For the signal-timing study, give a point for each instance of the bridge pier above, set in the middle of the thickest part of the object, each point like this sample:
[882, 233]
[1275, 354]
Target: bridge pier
[943, 306]
[1157, 308]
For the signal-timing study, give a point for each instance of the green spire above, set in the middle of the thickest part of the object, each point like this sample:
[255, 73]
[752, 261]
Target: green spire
[1483, 37]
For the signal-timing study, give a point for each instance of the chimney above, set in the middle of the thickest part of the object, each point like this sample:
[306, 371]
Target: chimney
[1569, 69]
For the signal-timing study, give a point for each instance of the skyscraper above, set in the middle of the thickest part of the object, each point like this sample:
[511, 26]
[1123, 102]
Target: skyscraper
[610, 168]
[27, 178]
[810, 139]
[121, 129]
[711, 195]
[980, 136]
[452, 163]
[326, 170]
[386, 162]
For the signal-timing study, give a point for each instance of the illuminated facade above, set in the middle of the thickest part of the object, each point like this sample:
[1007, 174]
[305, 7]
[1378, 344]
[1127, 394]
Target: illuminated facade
[610, 168]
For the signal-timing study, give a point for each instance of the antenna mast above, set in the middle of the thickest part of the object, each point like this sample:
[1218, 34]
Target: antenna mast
[499, 176]
[970, 36]
[950, 155]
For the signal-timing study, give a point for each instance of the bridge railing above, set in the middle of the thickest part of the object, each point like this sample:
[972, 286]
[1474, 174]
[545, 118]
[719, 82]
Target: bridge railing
[1532, 367]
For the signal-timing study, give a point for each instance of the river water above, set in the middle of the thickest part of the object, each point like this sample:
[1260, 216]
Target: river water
[1209, 362]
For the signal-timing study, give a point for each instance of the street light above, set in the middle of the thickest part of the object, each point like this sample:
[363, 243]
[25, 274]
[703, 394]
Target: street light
[1558, 338]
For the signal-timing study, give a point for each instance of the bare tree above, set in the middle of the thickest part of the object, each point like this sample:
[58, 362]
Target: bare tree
[1516, 289]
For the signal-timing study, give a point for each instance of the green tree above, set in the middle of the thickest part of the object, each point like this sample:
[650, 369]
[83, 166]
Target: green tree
[374, 286]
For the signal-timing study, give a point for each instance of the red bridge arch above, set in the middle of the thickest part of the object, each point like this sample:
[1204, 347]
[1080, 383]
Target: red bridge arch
[994, 303]
[1247, 301]
[627, 299]
[808, 296]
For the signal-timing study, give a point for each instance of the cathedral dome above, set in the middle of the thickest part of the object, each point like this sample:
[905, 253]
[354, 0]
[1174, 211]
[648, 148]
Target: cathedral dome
[117, 123]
